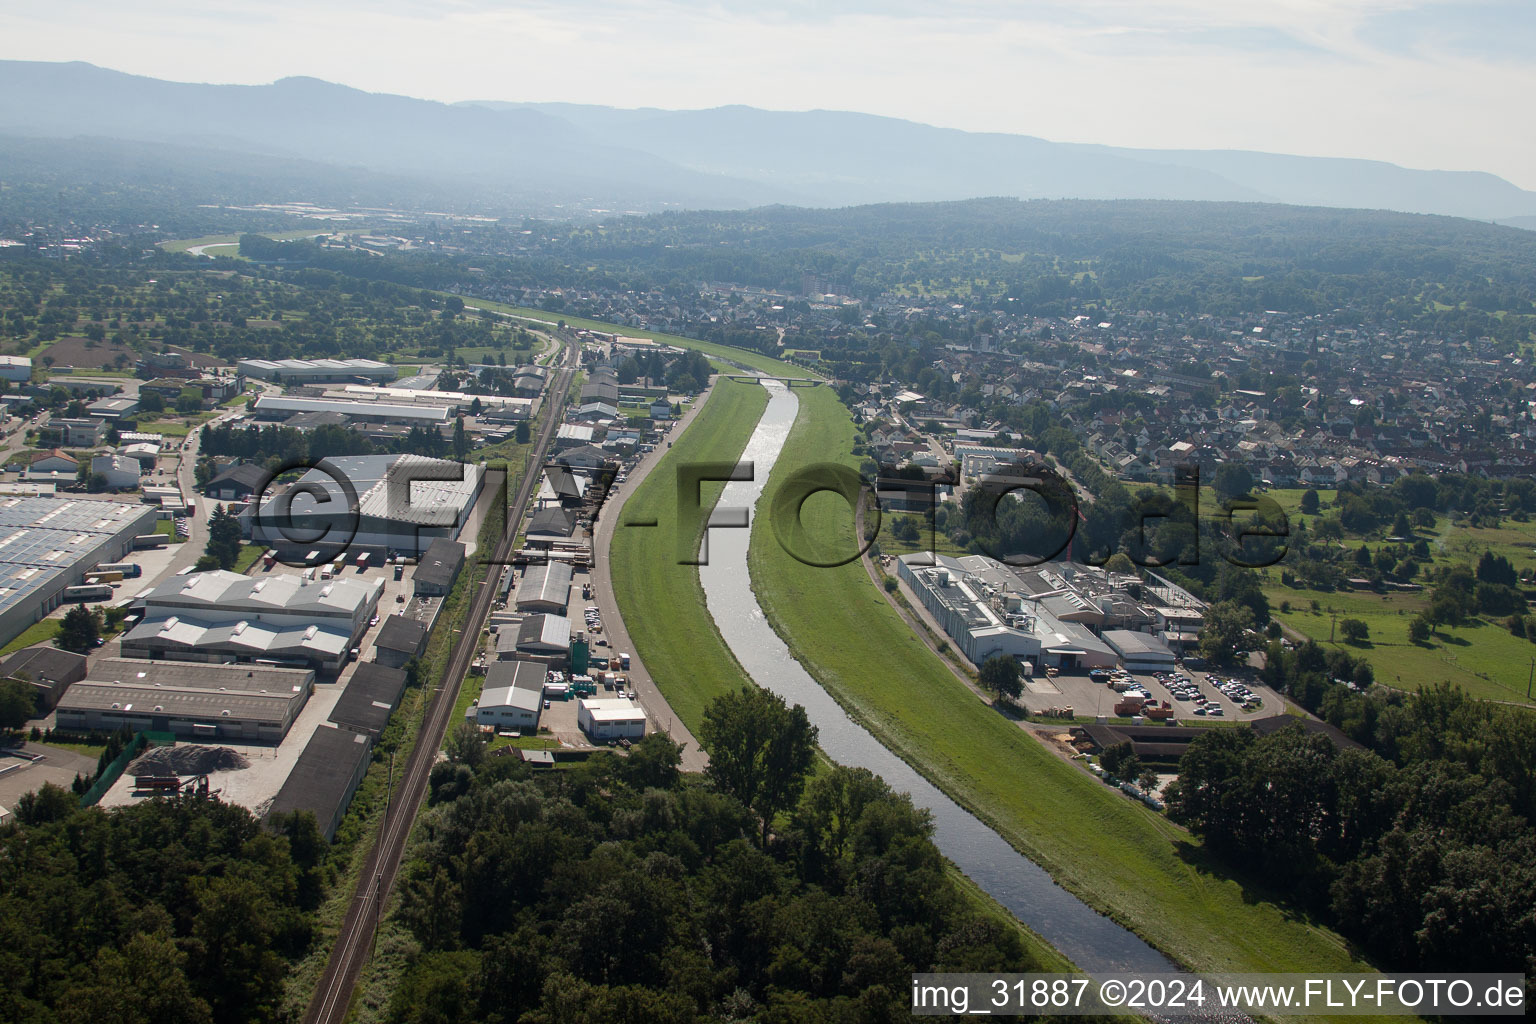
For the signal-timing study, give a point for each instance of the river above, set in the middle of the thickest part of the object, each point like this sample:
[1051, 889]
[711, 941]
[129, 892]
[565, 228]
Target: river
[1092, 941]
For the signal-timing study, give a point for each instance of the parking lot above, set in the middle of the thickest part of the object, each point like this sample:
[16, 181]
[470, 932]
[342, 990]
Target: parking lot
[1192, 696]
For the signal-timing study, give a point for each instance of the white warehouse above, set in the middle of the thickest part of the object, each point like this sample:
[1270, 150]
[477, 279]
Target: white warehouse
[607, 720]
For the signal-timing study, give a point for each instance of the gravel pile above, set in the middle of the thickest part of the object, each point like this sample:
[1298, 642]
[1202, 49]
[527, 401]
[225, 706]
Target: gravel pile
[187, 759]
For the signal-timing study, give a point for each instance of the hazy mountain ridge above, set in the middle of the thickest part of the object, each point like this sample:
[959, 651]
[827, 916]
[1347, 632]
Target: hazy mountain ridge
[725, 157]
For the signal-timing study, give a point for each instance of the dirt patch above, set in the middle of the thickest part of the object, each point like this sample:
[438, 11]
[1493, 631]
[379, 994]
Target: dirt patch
[84, 353]
[188, 759]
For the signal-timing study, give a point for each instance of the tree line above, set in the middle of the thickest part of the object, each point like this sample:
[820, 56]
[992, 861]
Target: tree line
[178, 910]
[621, 890]
[1417, 845]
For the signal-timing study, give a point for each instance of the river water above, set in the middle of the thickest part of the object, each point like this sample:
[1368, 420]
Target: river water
[1092, 941]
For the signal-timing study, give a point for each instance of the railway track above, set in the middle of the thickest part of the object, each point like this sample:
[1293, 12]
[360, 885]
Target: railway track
[353, 946]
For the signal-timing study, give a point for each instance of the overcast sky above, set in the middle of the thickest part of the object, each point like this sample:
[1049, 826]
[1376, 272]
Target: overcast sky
[1432, 85]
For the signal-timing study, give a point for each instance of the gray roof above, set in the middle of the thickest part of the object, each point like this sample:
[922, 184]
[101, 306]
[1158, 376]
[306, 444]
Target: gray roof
[1131, 645]
[370, 697]
[386, 410]
[321, 779]
[525, 675]
[552, 522]
[440, 563]
[220, 596]
[401, 633]
[545, 633]
[189, 675]
[44, 663]
[178, 702]
[549, 583]
[245, 474]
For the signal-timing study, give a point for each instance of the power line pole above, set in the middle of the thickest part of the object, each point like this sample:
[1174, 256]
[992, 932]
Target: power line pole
[1531, 676]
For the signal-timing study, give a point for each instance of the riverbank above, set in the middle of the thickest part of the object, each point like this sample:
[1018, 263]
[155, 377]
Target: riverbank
[1121, 858]
[660, 599]
[663, 602]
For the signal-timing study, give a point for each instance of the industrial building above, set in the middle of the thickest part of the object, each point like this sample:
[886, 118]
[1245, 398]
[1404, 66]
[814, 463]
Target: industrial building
[315, 371]
[548, 525]
[372, 695]
[545, 588]
[400, 639]
[48, 670]
[987, 609]
[438, 567]
[507, 707]
[500, 407]
[512, 697]
[223, 616]
[384, 504]
[281, 407]
[546, 636]
[325, 777]
[611, 719]
[196, 702]
[48, 543]
[15, 368]
[1140, 652]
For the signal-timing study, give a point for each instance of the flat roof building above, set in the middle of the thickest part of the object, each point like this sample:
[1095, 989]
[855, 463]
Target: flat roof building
[1140, 652]
[48, 670]
[280, 407]
[438, 567]
[388, 504]
[302, 371]
[223, 616]
[325, 777]
[371, 696]
[48, 543]
[17, 368]
[611, 719]
[400, 639]
[196, 702]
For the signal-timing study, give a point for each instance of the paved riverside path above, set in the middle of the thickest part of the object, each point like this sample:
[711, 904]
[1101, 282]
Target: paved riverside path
[656, 706]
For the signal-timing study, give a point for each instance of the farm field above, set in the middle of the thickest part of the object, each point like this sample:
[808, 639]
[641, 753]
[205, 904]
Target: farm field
[1481, 657]
[1121, 857]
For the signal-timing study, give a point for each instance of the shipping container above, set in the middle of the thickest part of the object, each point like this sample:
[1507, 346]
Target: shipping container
[149, 540]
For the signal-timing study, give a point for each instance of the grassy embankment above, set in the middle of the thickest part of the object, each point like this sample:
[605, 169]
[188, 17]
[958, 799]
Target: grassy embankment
[663, 603]
[739, 356]
[1119, 856]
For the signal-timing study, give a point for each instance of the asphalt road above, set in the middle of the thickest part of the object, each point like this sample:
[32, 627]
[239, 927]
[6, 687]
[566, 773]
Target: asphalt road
[333, 996]
[651, 698]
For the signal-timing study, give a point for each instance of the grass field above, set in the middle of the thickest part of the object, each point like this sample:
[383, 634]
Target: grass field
[40, 632]
[1481, 657]
[183, 244]
[1121, 857]
[168, 528]
[661, 601]
[249, 553]
[735, 355]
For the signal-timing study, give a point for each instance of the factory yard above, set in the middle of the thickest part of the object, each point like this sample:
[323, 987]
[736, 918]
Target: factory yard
[255, 786]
